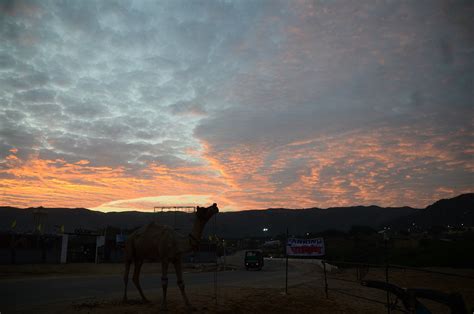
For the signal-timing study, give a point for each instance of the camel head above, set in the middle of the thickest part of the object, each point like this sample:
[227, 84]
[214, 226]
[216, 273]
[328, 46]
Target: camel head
[205, 213]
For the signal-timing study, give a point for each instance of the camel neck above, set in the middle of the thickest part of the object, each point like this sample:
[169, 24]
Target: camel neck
[198, 227]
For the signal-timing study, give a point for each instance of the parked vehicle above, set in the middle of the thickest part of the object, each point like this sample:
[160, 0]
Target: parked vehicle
[254, 259]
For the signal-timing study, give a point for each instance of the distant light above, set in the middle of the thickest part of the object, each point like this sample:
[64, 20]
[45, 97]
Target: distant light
[307, 233]
[265, 229]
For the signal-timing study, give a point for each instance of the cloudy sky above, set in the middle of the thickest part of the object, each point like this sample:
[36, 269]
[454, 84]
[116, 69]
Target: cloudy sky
[119, 105]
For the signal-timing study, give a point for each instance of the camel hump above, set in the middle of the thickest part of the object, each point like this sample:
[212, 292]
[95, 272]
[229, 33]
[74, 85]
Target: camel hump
[154, 229]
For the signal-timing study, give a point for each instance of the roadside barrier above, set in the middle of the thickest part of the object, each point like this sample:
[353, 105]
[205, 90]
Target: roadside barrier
[352, 279]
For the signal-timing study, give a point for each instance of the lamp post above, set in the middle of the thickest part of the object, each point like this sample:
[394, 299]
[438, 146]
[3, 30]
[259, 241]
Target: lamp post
[265, 232]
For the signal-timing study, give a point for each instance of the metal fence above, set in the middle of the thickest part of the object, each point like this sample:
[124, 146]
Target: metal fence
[34, 248]
[29, 248]
[399, 288]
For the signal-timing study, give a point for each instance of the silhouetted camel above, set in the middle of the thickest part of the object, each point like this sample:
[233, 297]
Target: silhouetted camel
[162, 242]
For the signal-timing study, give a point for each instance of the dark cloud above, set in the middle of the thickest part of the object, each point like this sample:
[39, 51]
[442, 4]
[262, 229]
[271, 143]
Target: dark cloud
[382, 64]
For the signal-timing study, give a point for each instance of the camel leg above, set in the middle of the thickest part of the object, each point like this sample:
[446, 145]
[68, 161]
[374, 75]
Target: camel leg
[179, 276]
[136, 277]
[125, 278]
[164, 283]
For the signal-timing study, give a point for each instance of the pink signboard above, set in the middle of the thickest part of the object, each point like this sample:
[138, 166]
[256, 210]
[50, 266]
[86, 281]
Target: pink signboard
[305, 247]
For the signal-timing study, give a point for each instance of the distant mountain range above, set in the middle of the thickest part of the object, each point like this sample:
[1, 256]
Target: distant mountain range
[455, 211]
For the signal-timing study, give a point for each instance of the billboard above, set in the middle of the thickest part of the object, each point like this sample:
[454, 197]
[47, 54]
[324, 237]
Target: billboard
[305, 247]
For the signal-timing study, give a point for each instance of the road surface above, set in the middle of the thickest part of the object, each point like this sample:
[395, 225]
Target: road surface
[25, 294]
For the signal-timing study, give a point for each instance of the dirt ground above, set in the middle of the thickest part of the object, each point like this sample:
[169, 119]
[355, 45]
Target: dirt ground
[301, 299]
[346, 294]
[344, 282]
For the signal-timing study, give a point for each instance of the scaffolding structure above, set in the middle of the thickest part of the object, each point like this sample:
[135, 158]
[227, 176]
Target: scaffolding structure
[175, 210]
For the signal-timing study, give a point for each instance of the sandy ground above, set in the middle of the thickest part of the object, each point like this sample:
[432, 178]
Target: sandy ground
[346, 295]
[305, 298]
[343, 285]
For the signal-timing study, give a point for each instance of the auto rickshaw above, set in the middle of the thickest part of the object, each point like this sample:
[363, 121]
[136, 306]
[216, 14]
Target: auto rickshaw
[253, 259]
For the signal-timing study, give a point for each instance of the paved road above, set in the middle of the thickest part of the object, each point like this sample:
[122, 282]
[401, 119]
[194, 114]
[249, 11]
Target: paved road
[22, 294]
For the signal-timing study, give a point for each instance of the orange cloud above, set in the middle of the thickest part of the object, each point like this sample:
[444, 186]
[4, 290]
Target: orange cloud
[386, 166]
[38, 182]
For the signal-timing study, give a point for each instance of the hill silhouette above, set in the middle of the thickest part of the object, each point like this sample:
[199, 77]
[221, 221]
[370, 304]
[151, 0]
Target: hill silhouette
[454, 211]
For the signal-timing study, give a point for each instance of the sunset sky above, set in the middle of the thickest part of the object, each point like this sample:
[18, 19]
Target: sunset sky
[127, 105]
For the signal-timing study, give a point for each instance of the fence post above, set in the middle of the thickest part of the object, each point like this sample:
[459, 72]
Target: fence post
[388, 293]
[286, 266]
[13, 249]
[385, 237]
[412, 302]
[325, 280]
[215, 271]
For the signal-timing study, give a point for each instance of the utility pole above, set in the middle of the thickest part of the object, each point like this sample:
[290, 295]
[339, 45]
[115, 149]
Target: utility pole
[385, 239]
[286, 253]
[223, 245]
